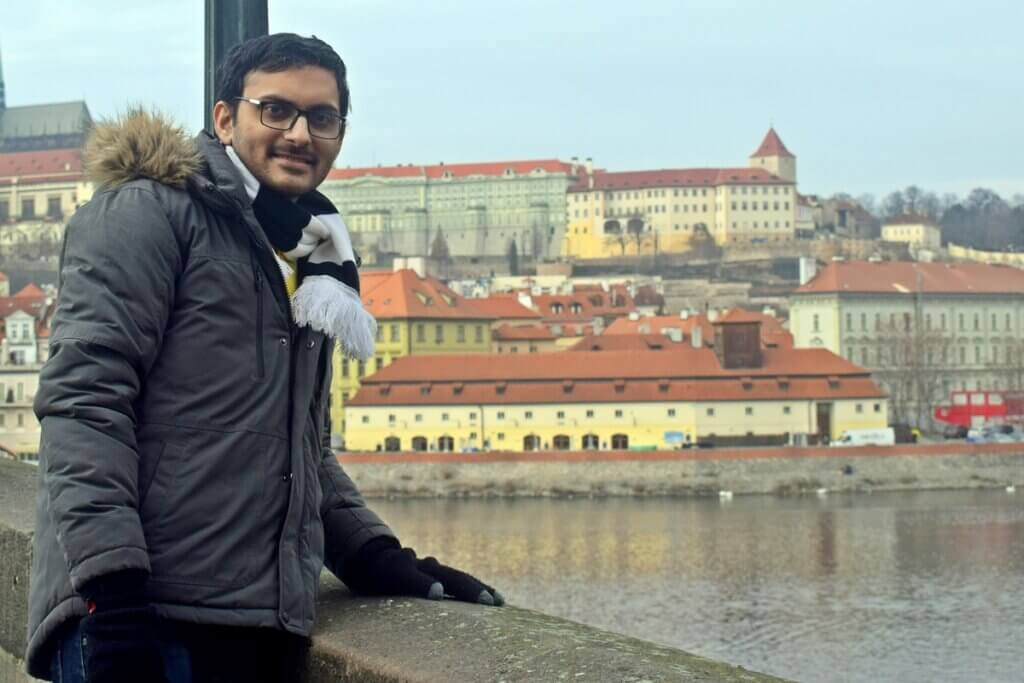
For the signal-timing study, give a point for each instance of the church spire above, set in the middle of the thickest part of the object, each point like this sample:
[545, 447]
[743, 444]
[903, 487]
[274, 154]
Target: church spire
[3, 99]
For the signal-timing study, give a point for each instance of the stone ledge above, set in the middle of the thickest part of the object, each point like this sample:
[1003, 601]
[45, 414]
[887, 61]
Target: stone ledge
[375, 640]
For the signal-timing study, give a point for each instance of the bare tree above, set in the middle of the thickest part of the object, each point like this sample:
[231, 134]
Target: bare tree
[915, 364]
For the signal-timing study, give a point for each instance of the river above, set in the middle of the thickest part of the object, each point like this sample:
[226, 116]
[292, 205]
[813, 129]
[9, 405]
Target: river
[924, 586]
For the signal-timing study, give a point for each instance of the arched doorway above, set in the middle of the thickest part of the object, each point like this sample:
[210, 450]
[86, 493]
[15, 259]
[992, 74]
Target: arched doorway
[446, 444]
[392, 444]
[620, 442]
[590, 442]
[419, 443]
[531, 442]
[561, 442]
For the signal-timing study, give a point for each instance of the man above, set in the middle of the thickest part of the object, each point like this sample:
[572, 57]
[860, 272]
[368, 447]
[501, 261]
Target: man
[188, 497]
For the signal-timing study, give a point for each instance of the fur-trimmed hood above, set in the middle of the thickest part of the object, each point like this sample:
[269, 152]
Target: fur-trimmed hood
[140, 144]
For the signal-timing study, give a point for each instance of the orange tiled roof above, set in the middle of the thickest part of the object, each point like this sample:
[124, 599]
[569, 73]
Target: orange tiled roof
[504, 306]
[906, 277]
[679, 374]
[523, 333]
[490, 168]
[404, 294]
[681, 177]
[772, 146]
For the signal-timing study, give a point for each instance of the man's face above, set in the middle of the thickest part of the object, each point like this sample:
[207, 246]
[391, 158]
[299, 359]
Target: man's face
[290, 161]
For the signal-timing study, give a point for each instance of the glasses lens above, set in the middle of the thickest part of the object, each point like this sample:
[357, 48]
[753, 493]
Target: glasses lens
[325, 124]
[279, 115]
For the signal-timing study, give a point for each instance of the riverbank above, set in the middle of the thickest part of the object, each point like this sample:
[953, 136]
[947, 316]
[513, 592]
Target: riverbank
[778, 471]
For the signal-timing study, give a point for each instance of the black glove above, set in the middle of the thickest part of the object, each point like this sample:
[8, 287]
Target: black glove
[383, 567]
[119, 635]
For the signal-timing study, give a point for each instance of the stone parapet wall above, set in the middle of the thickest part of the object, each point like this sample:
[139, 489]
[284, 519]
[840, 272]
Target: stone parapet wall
[379, 640]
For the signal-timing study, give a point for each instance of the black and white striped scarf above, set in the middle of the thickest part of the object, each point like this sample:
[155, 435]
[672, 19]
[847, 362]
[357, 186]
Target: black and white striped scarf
[311, 232]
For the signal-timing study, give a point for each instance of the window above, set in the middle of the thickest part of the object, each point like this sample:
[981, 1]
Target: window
[618, 413]
[460, 334]
[366, 419]
[53, 207]
[977, 322]
[479, 334]
[5, 211]
[590, 413]
[444, 417]
[419, 417]
[786, 410]
[849, 321]
[361, 370]
[391, 419]
[860, 408]
[878, 407]
[710, 412]
[395, 336]
[817, 323]
[620, 441]
[748, 410]
[472, 416]
[671, 412]
[528, 415]
[560, 414]
[500, 415]
[21, 420]
[439, 334]
[28, 208]
[421, 332]
[942, 321]
[960, 320]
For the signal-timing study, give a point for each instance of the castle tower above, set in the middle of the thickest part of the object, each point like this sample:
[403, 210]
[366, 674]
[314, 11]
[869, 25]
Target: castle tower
[773, 156]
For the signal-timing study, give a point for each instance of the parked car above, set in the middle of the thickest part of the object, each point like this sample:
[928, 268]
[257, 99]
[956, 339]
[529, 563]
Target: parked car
[954, 432]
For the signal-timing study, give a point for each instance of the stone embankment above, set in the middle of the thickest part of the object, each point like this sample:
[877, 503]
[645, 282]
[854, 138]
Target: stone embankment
[689, 472]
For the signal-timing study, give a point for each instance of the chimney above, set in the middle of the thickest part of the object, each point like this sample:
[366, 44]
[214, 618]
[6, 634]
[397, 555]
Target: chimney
[712, 315]
[808, 269]
[738, 345]
[684, 314]
[697, 336]
[634, 316]
[589, 163]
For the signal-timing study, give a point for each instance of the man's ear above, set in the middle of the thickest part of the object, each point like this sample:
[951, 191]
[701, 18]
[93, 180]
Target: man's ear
[223, 122]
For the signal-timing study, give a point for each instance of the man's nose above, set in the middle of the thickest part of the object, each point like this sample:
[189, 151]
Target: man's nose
[299, 132]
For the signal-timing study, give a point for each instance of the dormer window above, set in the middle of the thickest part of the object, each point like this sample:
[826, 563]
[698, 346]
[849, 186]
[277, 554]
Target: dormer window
[425, 390]
[457, 388]
[500, 388]
[748, 383]
[620, 386]
[385, 389]
[576, 308]
[567, 387]
[556, 308]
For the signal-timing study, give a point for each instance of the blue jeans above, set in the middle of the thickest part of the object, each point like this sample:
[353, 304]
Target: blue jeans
[204, 654]
[68, 664]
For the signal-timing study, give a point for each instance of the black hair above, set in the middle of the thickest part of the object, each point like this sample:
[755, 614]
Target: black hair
[278, 52]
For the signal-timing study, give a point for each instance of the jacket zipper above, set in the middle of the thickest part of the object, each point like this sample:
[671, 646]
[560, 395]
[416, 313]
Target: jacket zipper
[258, 284]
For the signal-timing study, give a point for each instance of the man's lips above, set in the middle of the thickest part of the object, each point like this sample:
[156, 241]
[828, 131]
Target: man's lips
[294, 158]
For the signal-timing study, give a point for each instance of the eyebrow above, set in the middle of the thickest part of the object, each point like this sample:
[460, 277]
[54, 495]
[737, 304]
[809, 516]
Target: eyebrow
[278, 98]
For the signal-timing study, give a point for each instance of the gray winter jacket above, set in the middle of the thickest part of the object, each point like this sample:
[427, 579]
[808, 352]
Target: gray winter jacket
[184, 417]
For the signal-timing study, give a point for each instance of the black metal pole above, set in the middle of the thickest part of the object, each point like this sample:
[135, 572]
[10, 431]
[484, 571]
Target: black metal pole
[228, 22]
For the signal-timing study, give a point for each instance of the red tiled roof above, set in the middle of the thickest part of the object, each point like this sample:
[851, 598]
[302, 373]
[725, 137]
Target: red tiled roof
[682, 177]
[585, 304]
[680, 361]
[623, 342]
[738, 315]
[30, 291]
[772, 146]
[678, 374]
[491, 168]
[404, 294]
[51, 163]
[504, 306]
[772, 331]
[523, 333]
[905, 277]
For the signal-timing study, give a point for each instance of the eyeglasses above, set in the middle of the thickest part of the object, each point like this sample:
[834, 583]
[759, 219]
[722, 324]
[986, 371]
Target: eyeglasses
[325, 124]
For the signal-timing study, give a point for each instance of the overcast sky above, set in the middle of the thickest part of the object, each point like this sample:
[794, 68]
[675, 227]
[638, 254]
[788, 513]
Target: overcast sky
[870, 96]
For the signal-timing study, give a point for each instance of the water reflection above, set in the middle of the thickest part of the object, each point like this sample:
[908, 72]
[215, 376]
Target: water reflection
[908, 587]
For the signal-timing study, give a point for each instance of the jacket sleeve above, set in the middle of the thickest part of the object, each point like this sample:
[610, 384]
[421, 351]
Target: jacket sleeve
[118, 271]
[348, 523]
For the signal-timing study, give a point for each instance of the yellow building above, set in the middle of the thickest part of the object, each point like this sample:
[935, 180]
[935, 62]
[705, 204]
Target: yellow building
[42, 185]
[648, 212]
[737, 392]
[915, 231]
[415, 314]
